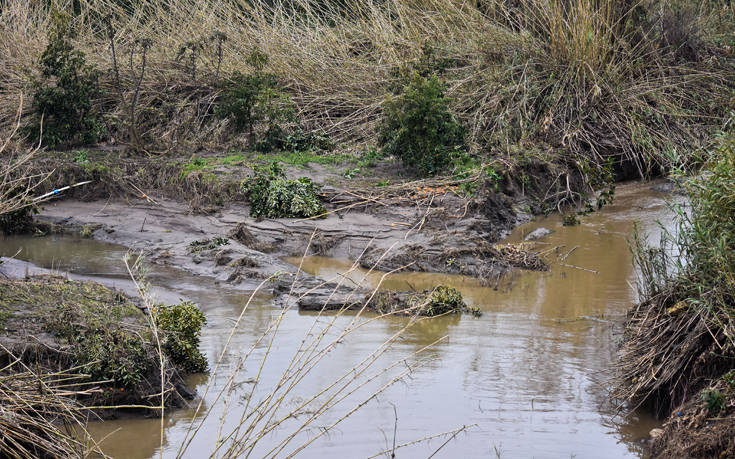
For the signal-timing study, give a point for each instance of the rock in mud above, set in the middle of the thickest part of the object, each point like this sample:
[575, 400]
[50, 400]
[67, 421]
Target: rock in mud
[310, 293]
[538, 233]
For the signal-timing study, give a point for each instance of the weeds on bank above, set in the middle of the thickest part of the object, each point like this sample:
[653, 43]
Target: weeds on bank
[686, 289]
[579, 80]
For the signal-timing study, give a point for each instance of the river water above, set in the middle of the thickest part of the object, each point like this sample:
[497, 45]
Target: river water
[529, 378]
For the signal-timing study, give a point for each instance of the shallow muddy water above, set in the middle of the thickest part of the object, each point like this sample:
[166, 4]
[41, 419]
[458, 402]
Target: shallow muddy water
[528, 377]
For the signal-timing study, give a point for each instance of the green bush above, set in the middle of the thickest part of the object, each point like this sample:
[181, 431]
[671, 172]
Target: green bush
[63, 95]
[93, 320]
[249, 100]
[181, 326]
[418, 128]
[271, 195]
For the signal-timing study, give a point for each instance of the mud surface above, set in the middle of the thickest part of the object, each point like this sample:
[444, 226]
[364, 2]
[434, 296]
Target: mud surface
[442, 233]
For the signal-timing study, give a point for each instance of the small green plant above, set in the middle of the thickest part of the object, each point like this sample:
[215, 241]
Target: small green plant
[729, 379]
[271, 195]
[714, 400]
[441, 300]
[81, 157]
[196, 164]
[87, 231]
[570, 219]
[493, 177]
[64, 93]
[181, 327]
[418, 127]
[207, 244]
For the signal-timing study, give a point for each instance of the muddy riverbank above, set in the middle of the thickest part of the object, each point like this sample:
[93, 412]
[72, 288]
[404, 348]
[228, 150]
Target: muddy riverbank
[530, 373]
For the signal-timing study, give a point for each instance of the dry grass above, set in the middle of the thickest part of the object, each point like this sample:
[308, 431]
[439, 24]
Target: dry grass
[16, 184]
[39, 416]
[586, 79]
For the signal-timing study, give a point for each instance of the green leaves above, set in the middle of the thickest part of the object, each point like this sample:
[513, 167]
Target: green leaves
[249, 100]
[63, 95]
[271, 195]
[181, 327]
[418, 127]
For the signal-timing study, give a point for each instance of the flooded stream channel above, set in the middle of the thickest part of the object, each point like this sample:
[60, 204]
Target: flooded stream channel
[528, 376]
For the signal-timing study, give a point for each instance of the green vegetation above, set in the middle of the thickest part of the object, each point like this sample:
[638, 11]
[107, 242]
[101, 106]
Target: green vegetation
[439, 301]
[574, 86]
[271, 195]
[65, 92]
[255, 98]
[181, 327]
[714, 400]
[103, 331]
[102, 328]
[418, 127]
[208, 244]
[688, 291]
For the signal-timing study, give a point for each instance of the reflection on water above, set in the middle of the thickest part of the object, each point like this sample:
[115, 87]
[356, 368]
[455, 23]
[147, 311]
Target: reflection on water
[530, 373]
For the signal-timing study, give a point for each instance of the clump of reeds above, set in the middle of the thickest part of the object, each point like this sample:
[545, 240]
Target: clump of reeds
[16, 183]
[38, 414]
[682, 335]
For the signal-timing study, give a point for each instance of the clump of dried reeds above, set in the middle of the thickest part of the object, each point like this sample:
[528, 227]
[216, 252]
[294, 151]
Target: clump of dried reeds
[16, 184]
[38, 414]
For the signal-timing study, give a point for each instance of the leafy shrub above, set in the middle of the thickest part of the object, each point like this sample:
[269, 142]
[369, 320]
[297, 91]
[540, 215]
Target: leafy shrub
[181, 327]
[300, 140]
[63, 95]
[271, 195]
[114, 355]
[249, 100]
[418, 128]
[91, 319]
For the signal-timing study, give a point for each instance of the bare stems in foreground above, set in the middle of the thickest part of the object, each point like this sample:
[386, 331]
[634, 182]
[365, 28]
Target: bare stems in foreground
[16, 186]
[280, 416]
[38, 414]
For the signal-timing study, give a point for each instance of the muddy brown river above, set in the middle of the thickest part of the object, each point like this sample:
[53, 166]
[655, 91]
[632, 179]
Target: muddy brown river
[528, 378]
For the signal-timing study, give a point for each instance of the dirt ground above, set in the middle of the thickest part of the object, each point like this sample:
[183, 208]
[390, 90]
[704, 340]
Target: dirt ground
[383, 227]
